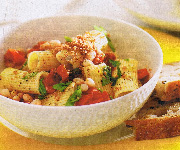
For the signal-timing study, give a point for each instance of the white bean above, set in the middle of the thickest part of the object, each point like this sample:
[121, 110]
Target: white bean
[84, 87]
[90, 82]
[27, 98]
[5, 92]
[78, 81]
[36, 102]
[16, 98]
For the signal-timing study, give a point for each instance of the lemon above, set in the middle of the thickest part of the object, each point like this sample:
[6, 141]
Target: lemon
[169, 44]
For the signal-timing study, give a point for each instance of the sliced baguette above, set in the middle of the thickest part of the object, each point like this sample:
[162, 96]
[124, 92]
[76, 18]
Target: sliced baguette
[160, 116]
[168, 86]
[156, 120]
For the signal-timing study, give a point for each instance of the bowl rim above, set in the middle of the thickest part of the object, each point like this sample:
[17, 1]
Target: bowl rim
[96, 104]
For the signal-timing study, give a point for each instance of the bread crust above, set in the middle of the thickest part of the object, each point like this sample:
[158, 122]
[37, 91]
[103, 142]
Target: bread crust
[160, 116]
[156, 128]
[168, 86]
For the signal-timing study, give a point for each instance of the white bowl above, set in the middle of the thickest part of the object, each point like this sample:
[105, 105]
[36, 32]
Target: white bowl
[78, 121]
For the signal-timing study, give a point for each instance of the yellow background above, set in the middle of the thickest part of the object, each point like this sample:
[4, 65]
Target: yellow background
[10, 140]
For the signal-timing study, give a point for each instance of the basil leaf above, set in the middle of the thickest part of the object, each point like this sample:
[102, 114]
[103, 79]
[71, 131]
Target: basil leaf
[42, 89]
[30, 75]
[41, 97]
[107, 74]
[68, 39]
[114, 63]
[126, 59]
[100, 90]
[110, 44]
[61, 86]
[105, 81]
[74, 97]
[24, 65]
[101, 29]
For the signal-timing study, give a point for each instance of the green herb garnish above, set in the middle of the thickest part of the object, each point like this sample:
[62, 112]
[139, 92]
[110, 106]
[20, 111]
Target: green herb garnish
[101, 29]
[24, 65]
[61, 86]
[30, 75]
[111, 97]
[74, 97]
[108, 74]
[42, 89]
[41, 97]
[100, 90]
[114, 63]
[126, 59]
[68, 39]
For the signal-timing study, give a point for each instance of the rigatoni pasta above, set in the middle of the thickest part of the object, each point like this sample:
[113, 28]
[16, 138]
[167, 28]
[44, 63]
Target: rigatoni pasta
[95, 72]
[14, 79]
[129, 80]
[42, 61]
[84, 70]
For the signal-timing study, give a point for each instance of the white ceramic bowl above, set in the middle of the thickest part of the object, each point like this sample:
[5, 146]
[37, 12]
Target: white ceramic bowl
[77, 121]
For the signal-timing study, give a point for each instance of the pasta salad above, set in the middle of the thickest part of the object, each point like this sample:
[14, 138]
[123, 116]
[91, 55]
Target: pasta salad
[81, 71]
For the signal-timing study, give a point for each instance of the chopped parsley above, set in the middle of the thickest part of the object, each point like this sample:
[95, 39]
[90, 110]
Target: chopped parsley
[100, 90]
[101, 29]
[68, 39]
[108, 74]
[24, 65]
[61, 86]
[42, 89]
[126, 59]
[114, 63]
[74, 97]
[111, 97]
[110, 44]
[30, 75]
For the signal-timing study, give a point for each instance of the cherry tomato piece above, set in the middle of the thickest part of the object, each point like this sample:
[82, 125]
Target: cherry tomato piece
[14, 57]
[62, 71]
[92, 96]
[142, 73]
[52, 79]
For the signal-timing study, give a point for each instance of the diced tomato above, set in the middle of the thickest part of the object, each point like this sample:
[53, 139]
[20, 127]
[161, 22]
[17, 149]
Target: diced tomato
[14, 57]
[98, 59]
[92, 96]
[50, 80]
[36, 47]
[142, 73]
[107, 57]
[62, 71]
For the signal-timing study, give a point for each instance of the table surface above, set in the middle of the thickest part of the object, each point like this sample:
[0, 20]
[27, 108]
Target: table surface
[169, 42]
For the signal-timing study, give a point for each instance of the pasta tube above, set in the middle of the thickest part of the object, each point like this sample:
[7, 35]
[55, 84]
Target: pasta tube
[42, 61]
[128, 82]
[22, 81]
[59, 98]
[95, 72]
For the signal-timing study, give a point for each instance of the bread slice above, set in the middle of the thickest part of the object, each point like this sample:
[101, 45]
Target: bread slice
[168, 86]
[156, 120]
[160, 116]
